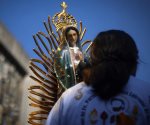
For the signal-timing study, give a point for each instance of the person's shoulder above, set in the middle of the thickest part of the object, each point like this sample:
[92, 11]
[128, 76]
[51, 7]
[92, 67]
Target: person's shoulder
[75, 87]
[72, 90]
[139, 82]
[138, 86]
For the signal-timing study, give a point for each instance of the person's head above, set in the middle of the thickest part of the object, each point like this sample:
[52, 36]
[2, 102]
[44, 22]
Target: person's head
[72, 36]
[114, 57]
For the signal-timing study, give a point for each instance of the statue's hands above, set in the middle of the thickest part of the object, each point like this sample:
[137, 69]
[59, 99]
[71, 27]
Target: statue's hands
[79, 56]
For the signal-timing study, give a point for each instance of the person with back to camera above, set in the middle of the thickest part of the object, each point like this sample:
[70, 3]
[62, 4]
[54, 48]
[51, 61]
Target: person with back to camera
[110, 94]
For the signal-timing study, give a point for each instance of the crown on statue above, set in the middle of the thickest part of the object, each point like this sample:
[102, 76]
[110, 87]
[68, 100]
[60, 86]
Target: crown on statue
[63, 19]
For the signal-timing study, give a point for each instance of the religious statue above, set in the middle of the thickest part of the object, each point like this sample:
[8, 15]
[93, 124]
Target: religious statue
[68, 56]
[56, 70]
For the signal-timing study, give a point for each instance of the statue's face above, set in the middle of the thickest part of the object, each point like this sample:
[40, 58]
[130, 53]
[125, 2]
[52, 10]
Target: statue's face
[72, 37]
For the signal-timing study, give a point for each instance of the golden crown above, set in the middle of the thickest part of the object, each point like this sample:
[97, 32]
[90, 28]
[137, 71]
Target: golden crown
[63, 19]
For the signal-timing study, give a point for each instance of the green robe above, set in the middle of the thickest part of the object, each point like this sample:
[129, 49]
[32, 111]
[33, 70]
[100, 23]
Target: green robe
[63, 66]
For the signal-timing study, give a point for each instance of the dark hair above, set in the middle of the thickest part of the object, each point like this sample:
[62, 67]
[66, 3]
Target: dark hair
[75, 29]
[114, 57]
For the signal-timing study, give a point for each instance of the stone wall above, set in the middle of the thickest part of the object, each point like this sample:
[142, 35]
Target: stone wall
[13, 85]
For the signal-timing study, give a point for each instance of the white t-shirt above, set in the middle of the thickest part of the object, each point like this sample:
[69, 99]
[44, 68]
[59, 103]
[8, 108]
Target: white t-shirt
[79, 106]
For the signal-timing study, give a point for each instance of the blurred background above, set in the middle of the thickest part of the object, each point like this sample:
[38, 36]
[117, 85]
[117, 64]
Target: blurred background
[20, 19]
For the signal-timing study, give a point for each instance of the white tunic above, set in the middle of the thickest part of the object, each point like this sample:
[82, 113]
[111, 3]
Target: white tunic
[79, 106]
